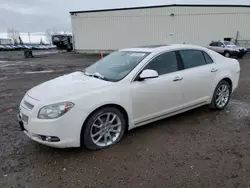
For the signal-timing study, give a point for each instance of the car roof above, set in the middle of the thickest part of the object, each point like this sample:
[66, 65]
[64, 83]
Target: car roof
[155, 48]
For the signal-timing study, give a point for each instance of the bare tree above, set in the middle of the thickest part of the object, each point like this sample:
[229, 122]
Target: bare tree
[49, 33]
[13, 34]
[41, 41]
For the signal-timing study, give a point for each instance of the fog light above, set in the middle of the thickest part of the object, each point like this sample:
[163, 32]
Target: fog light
[49, 138]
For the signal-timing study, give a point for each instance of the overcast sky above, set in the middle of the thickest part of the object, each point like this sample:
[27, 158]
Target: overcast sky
[39, 15]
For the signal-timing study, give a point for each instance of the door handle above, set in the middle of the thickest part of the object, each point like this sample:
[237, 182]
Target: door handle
[214, 70]
[176, 79]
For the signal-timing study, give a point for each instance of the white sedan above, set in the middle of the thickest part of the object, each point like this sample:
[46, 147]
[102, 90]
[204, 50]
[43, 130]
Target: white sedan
[126, 89]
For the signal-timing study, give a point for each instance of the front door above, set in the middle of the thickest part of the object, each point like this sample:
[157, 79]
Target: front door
[156, 97]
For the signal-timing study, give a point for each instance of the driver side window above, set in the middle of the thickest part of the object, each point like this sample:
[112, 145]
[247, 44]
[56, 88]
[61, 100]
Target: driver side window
[164, 63]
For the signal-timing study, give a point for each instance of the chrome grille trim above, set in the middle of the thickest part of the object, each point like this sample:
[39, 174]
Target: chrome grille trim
[28, 105]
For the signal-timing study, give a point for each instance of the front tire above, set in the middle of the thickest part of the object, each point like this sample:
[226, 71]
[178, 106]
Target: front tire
[104, 128]
[227, 54]
[221, 96]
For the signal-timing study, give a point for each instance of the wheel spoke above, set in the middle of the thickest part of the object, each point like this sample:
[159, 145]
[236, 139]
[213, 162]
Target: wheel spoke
[116, 125]
[115, 131]
[105, 139]
[109, 135]
[224, 88]
[99, 119]
[108, 117]
[113, 119]
[97, 126]
[218, 99]
[99, 138]
[96, 134]
[219, 102]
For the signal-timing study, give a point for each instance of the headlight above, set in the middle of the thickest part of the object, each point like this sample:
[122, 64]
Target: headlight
[54, 111]
[233, 49]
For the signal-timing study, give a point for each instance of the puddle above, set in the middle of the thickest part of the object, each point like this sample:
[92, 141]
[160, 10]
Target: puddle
[239, 109]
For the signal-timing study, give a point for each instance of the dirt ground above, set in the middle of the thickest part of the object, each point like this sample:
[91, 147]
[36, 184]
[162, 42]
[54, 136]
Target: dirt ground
[200, 148]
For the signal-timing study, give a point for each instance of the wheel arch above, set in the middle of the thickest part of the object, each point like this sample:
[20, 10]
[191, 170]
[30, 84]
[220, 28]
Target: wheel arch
[119, 107]
[228, 80]
[225, 51]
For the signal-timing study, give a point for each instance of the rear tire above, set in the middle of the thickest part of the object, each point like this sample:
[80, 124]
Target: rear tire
[221, 96]
[100, 124]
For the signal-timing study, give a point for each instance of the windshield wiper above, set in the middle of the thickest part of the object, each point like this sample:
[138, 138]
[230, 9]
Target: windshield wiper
[96, 75]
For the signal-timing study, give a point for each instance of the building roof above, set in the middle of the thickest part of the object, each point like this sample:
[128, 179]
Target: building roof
[181, 3]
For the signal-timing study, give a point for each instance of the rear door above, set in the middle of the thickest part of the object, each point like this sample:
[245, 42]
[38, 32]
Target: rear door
[220, 48]
[198, 75]
[214, 46]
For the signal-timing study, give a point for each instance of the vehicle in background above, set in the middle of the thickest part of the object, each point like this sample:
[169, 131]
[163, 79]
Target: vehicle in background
[8, 47]
[227, 48]
[16, 47]
[124, 90]
[2, 48]
[63, 42]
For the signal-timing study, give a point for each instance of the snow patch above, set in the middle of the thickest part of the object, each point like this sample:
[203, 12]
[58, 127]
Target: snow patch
[38, 72]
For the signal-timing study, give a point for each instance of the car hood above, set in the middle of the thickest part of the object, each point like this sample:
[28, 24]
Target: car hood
[66, 85]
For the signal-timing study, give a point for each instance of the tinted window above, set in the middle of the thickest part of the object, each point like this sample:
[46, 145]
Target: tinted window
[214, 44]
[207, 58]
[229, 43]
[220, 44]
[164, 63]
[192, 58]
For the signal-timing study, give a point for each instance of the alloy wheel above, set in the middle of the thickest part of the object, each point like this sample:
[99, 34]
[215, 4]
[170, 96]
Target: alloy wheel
[227, 54]
[106, 129]
[222, 95]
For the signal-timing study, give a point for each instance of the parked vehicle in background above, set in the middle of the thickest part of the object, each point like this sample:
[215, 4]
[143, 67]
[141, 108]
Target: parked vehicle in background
[63, 42]
[227, 48]
[124, 90]
[2, 48]
[8, 47]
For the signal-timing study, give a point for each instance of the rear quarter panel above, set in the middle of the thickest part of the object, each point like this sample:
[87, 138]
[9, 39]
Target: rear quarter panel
[227, 68]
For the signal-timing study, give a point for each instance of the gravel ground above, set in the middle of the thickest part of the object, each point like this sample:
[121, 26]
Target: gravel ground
[200, 148]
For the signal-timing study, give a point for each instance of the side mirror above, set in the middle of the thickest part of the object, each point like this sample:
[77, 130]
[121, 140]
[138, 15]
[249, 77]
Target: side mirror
[148, 73]
[222, 46]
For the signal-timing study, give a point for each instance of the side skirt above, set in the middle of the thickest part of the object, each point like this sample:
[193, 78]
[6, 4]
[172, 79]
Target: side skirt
[168, 115]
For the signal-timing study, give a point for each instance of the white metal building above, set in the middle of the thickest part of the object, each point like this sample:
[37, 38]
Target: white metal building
[111, 29]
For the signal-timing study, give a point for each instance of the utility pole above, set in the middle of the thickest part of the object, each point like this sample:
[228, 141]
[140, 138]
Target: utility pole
[29, 36]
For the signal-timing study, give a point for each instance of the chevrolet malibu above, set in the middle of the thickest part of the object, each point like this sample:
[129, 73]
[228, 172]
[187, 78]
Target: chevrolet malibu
[126, 89]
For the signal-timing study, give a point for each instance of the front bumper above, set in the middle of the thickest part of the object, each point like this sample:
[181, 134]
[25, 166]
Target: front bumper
[66, 128]
[237, 53]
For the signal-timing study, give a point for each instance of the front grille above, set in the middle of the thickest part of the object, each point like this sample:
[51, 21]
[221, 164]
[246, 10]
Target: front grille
[28, 105]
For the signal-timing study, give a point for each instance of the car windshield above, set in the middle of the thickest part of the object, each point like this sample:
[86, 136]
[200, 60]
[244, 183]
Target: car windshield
[229, 43]
[116, 65]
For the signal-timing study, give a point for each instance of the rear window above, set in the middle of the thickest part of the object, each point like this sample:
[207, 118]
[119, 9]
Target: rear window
[208, 59]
